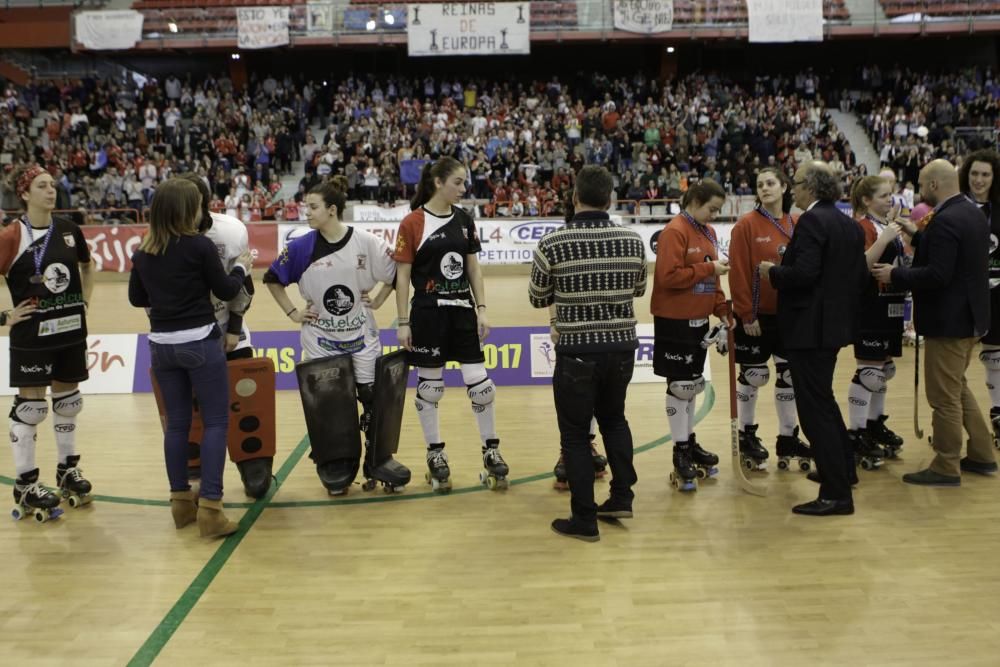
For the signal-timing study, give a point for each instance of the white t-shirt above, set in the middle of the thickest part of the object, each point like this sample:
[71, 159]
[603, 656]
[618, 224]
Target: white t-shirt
[231, 239]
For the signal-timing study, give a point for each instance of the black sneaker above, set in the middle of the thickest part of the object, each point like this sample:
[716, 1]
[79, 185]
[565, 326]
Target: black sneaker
[573, 528]
[967, 465]
[614, 509]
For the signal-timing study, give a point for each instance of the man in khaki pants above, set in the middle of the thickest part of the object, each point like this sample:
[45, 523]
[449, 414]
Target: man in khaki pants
[949, 280]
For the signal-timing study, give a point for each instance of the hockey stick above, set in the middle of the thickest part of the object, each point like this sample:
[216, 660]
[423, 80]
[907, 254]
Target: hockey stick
[734, 426]
[916, 388]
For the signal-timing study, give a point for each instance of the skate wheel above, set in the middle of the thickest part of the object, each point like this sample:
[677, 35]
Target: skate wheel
[782, 464]
[866, 464]
[368, 485]
[748, 464]
[491, 483]
[701, 473]
[17, 514]
[41, 516]
[74, 501]
[804, 466]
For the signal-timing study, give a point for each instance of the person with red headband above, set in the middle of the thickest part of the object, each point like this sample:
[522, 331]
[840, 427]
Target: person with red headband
[47, 265]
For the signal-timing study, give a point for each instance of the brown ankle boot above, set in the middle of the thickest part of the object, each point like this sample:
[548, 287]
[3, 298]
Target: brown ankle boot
[211, 520]
[184, 507]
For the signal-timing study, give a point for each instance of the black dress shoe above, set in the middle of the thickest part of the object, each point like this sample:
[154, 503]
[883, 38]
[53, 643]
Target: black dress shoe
[572, 528]
[814, 477]
[821, 507]
[614, 509]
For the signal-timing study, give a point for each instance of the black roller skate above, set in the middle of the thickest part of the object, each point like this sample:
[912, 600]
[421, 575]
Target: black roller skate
[338, 475]
[882, 435]
[438, 473]
[685, 475]
[789, 447]
[866, 453]
[995, 422]
[495, 470]
[706, 463]
[30, 497]
[600, 462]
[391, 474]
[72, 485]
[753, 455]
[256, 476]
[560, 483]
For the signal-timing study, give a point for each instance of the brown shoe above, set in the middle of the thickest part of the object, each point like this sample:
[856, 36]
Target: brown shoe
[212, 522]
[184, 507]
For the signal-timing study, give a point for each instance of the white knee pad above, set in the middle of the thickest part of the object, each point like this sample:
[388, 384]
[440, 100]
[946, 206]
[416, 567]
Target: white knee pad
[871, 378]
[699, 384]
[483, 393]
[473, 374]
[29, 411]
[429, 391]
[783, 372]
[890, 369]
[69, 404]
[684, 389]
[755, 376]
[990, 359]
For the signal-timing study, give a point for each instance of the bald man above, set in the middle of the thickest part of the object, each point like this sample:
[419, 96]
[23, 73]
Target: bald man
[819, 285]
[951, 301]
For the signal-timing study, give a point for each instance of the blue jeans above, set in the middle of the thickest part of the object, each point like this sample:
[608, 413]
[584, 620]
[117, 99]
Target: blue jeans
[586, 385]
[184, 371]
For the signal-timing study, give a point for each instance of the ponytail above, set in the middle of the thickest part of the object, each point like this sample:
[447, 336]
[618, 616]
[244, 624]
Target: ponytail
[862, 187]
[334, 193]
[440, 169]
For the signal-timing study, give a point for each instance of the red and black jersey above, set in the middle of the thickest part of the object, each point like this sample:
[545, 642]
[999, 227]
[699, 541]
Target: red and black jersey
[437, 248]
[43, 264]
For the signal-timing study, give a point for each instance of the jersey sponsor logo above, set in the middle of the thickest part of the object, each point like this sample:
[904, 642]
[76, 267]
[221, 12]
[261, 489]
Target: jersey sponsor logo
[362, 262]
[683, 358]
[763, 239]
[452, 266]
[880, 344]
[434, 237]
[69, 240]
[342, 346]
[59, 325]
[56, 277]
[433, 351]
[693, 250]
[339, 300]
[36, 369]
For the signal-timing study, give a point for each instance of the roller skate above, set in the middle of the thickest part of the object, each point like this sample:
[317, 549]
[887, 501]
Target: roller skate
[866, 453]
[391, 474]
[560, 483]
[338, 475]
[438, 473]
[995, 421]
[752, 452]
[789, 447]
[600, 462]
[72, 485]
[705, 462]
[30, 497]
[883, 435]
[256, 476]
[494, 473]
[685, 475]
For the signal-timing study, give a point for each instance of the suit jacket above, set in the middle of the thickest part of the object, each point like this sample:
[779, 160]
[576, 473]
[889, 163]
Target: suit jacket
[950, 272]
[820, 280]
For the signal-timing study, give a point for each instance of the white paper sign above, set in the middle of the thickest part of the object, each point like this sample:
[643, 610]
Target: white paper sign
[785, 20]
[107, 30]
[644, 16]
[319, 17]
[262, 27]
[468, 28]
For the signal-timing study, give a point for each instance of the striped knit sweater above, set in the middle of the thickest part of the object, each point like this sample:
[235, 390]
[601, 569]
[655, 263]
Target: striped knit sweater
[591, 269]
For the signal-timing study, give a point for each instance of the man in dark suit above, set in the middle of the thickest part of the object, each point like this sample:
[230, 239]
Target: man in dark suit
[819, 286]
[950, 283]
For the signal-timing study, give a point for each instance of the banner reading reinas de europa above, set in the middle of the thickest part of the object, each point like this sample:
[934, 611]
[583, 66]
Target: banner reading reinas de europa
[468, 28]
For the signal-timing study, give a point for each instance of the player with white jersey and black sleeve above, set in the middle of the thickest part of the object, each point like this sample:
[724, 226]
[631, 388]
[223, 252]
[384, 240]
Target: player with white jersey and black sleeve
[335, 267]
[47, 265]
[978, 180]
[437, 250]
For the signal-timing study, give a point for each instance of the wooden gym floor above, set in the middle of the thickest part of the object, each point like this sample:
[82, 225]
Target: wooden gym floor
[476, 577]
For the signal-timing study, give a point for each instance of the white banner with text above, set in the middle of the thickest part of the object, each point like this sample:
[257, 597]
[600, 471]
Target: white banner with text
[468, 29]
[262, 27]
[644, 16]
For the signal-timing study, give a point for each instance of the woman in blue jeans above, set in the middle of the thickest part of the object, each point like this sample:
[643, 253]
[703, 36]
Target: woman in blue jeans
[174, 271]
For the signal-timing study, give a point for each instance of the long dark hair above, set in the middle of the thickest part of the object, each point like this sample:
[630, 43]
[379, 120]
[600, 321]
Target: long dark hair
[334, 193]
[206, 199]
[786, 197]
[990, 157]
[702, 192]
[440, 169]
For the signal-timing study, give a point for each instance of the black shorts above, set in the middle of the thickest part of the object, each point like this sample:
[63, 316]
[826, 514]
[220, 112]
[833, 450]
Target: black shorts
[677, 350]
[38, 368]
[442, 334]
[877, 345]
[756, 350]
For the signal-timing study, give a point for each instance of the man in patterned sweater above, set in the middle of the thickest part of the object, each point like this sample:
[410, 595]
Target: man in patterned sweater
[592, 269]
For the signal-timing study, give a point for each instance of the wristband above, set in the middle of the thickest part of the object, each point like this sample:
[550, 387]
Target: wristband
[403, 323]
[289, 313]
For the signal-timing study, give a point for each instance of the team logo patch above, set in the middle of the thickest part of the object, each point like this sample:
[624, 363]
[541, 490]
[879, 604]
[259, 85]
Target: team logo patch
[56, 278]
[71, 242]
[339, 300]
[362, 262]
[452, 266]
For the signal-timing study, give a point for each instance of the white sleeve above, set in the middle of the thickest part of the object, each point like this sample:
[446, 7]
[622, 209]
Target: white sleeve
[383, 265]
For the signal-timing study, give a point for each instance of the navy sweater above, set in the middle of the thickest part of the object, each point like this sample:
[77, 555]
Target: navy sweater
[175, 286]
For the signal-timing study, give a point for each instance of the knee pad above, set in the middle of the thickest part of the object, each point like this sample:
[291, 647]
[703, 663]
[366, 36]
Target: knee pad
[685, 390]
[699, 384]
[890, 369]
[473, 374]
[871, 378]
[429, 391]
[755, 376]
[29, 411]
[67, 405]
[482, 394]
[990, 359]
[784, 374]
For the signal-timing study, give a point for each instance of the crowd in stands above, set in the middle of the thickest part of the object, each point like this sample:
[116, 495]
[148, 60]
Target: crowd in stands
[110, 143]
[913, 117]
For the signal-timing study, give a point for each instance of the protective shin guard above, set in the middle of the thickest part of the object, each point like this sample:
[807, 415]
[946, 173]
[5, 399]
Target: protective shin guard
[876, 407]
[677, 417]
[430, 389]
[858, 400]
[65, 407]
[993, 384]
[784, 405]
[25, 416]
[746, 403]
[482, 396]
